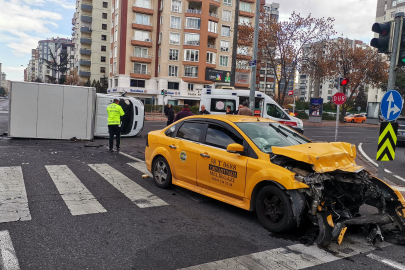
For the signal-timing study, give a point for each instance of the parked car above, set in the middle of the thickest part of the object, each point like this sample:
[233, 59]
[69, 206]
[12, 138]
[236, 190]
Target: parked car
[258, 164]
[355, 118]
[401, 129]
[363, 113]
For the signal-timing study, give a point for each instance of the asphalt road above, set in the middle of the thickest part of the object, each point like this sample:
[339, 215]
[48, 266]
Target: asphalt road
[179, 229]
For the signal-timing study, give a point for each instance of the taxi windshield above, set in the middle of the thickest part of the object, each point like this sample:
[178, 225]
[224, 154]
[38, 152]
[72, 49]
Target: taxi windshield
[265, 135]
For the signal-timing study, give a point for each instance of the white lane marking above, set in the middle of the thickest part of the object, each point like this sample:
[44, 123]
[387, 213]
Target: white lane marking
[388, 262]
[13, 197]
[140, 166]
[294, 257]
[137, 194]
[399, 177]
[369, 159]
[131, 157]
[4, 112]
[76, 196]
[9, 259]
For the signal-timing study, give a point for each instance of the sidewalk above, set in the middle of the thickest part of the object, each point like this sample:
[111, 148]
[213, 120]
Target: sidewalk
[332, 123]
[155, 117]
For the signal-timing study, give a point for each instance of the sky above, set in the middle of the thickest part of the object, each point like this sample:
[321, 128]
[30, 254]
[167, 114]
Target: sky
[24, 22]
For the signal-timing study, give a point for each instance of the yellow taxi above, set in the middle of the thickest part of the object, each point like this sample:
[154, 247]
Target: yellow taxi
[261, 165]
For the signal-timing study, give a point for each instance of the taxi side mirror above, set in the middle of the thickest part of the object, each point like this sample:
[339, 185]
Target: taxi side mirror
[234, 148]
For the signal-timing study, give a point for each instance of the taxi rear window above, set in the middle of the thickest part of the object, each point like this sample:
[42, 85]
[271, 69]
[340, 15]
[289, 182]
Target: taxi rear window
[190, 131]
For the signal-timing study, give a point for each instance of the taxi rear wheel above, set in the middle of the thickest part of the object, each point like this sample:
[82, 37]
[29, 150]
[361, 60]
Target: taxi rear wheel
[273, 209]
[363, 121]
[161, 173]
[353, 121]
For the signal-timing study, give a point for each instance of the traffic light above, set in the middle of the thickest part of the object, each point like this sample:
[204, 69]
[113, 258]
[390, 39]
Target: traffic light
[401, 48]
[162, 92]
[344, 81]
[383, 41]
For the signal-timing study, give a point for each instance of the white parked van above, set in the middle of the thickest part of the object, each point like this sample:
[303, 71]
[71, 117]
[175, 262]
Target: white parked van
[217, 100]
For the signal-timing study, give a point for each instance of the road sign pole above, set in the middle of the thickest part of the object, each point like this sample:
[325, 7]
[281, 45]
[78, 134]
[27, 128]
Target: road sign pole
[399, 16]
[255, 45]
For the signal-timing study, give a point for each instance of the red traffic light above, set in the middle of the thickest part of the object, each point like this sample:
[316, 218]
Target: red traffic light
[344, 81]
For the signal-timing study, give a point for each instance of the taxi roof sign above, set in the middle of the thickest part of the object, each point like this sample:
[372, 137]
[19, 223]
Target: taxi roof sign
[391, 105]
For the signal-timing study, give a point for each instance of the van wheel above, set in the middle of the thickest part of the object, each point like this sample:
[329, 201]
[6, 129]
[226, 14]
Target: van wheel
[273, 209]
[161, 173]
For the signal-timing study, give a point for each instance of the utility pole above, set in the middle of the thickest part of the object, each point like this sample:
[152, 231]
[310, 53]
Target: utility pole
[254, 57]
[235, 44]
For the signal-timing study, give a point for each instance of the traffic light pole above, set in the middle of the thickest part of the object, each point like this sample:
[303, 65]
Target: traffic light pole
[255, 45]
[399, 16]
[337, 111]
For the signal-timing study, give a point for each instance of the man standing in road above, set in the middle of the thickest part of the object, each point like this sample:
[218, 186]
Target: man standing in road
[203, 110]
[183, 113]
[170, 115]
[245, 110]
[114, 112]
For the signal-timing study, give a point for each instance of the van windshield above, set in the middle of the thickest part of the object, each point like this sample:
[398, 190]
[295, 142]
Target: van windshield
[274, 111]
[265, 135]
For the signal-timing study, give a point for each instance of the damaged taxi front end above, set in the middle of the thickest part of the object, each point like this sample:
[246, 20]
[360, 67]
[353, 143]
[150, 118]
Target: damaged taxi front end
[337, 188]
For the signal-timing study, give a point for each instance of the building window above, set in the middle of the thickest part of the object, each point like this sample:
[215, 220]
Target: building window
[191, 55]
[112, 39]
[102, 69]
[111, 53]
[103, 59]
[103, 37]
[115, 35]
[115, 71]
[176, 6]
[226, 15]
[137, 83]
[224, 46]
[190, 87]
[245, 7]
[242, 50]
[141, 52]
[142, 3]
[223, 60]
[242, 64]
[116, 82]
[191, 71]
[192, 39]
[173, 85]
[116, 19]
[116, 4]
[115, 51]
[227, 2]
[160, 37]
[211, 57]
[103, 48]
[140, 68]
[141, 19]
[226, 31]
[158, 68]
[161, 20]
[193, 23]
[104, 26]
[173, 71]
[174, 38]
[105, 5]
[175, 22]
[104, 15]
[142, 35]
[394, 3]
[244, 20]
[212, 26]
[159, 52]
[174, 54]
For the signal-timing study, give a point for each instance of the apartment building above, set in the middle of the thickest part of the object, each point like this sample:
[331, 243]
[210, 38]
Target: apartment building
[65, 50]
[386, 10]
[0, 75]
[180, 46]
[4, 80]
[91, 36]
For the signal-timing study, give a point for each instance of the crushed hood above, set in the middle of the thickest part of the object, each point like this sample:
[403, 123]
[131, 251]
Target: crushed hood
[325, 157]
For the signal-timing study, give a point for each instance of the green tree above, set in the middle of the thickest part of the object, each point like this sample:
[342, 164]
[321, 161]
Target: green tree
[88, 83]
[59, 68]
[3, 92]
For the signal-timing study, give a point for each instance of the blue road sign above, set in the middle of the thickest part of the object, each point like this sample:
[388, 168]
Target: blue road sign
[391, 105]
[252, 63]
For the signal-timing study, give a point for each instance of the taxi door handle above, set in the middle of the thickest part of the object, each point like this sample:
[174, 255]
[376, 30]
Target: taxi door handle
[172, 146]
[204, 155]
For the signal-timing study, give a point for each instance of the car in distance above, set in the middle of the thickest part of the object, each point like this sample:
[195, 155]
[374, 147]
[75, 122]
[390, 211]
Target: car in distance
[401, 129]
[260, 165]
[355, 118]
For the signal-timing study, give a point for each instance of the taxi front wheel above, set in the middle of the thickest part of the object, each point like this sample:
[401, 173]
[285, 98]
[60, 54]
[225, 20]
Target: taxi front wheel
[161, 173]
[273, 209]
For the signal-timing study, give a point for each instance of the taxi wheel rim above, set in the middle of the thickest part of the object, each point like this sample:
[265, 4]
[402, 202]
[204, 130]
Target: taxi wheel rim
[273, 209]
[160, 172]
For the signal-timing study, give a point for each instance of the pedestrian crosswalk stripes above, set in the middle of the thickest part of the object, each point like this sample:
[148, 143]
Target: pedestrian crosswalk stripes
[293, 257]
[77, 197]
[137, 194]
[8, 258]
[13, 197]
[140, 166]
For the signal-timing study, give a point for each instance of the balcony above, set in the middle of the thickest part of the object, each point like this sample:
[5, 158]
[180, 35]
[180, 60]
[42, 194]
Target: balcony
[249, 1]
[215, 3]
[142, 9]
[85, 40]
[193, 12]
[146, 42]
[212, 46]
[142, 26]
[85, 29]
[85, 62]
[213, 17]
[84, 73]
[192, 42]
[243, 56]
[87, 7]
[85, 18]
[246, 14]
[140, 74]
[140, 58]
[212, 34]
[85, 51]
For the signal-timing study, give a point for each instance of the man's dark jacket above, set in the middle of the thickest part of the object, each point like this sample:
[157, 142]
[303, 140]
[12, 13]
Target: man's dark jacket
[170, 115]
[183, 113]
